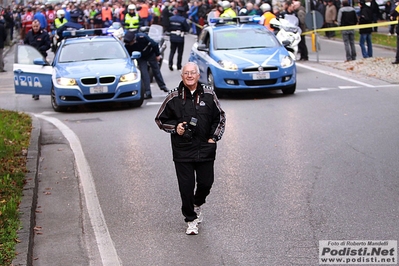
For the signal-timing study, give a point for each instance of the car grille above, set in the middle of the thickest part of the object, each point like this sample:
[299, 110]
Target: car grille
[101, 96]
[101, 80]
[260, 82]
[256, 69]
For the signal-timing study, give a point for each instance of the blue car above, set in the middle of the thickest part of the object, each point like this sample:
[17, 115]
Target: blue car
[88, 69]
[239, 54]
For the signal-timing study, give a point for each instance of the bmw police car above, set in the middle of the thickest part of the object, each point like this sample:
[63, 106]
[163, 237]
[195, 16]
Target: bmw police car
[85, 69]
[236, 54]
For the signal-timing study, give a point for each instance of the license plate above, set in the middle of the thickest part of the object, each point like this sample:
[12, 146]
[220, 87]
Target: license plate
[263, 75]
[99, 89]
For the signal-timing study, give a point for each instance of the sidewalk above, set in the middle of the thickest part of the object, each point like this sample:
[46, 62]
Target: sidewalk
[51, 208]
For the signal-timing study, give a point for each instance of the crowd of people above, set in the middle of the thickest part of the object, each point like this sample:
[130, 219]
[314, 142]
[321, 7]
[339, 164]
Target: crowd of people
[182, 16]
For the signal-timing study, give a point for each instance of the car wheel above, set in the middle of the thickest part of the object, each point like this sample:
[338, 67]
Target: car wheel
[289, 90]
[54, 104]
[211, 82]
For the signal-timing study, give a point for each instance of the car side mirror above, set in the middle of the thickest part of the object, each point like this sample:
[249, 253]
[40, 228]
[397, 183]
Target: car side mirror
[40, 62]
[136, 55]
[203, 48]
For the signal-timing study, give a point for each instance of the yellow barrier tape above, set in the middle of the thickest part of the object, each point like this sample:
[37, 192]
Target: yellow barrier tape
[196, 24]
[354, 27]
[338, 28]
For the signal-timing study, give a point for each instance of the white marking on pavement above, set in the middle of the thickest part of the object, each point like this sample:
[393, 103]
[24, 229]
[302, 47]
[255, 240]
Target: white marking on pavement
[153, 103]
[105, 244]
[387, 86]
[335, 75]
[318, 89]
[348, 87]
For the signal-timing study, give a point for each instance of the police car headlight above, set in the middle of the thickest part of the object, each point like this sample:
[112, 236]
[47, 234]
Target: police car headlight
[287, 61]
[66, 82]
[128, 77]
[227, 65]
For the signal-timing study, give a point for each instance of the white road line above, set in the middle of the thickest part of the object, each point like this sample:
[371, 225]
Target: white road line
[348, 87]
[318, 89]
[335, 75]
[387, 86]
[106, 247]
[153, 103]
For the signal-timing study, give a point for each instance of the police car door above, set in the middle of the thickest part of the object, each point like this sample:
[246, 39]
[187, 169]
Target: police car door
[32, 75]
[202, 57]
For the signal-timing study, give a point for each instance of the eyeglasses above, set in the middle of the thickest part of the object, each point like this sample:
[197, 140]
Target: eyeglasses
[192, 73]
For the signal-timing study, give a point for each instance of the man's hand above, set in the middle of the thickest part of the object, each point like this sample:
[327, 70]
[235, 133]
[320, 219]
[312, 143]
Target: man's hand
[180, 128]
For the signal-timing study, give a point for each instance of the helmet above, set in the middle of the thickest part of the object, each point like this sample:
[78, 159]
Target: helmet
[60, 13]
[226, 4]
[265, 7]
[131, 7]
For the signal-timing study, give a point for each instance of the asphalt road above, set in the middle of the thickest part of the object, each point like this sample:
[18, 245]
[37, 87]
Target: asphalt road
[290, 171]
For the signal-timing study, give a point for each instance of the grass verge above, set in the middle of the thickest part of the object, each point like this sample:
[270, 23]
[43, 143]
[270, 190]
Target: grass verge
[15, 129]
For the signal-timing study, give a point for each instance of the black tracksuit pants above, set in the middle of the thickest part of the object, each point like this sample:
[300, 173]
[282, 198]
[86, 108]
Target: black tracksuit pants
[190, 174]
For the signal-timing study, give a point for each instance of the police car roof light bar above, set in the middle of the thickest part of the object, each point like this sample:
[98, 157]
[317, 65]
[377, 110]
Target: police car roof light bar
[237, 20]
[71, 33]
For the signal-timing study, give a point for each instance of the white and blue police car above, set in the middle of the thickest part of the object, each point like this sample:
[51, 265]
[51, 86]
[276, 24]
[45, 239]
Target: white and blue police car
[238, 54]
[88, 68]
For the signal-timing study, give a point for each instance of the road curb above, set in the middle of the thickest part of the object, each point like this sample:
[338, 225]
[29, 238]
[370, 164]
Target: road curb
[24, 249]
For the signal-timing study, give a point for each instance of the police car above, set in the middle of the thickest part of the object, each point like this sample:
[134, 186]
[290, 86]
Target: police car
[88, 68]
[238, 54]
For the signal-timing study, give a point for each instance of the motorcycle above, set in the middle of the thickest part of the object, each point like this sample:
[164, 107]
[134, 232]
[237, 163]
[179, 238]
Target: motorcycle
[117, 30]
[288, 33]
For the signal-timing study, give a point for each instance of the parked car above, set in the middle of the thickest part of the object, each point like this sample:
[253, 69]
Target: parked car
[86, 69]
[239, 55]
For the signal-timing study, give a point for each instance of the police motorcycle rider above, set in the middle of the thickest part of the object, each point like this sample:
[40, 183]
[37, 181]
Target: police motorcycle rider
[132, 18]
[58, 22]
[228, 12]
[177, 27]
[73, 24]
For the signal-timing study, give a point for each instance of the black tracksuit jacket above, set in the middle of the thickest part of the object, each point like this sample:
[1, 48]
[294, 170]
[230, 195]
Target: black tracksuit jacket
[180, 106]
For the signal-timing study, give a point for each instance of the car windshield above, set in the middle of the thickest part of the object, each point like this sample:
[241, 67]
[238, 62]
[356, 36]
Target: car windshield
[74, 52]
[244, 39]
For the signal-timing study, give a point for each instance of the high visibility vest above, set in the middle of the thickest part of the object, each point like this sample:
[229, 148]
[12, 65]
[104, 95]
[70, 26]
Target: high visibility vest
[121, 14]
[132, 21]
[143, 11]
[106, 14]
[228, 13]
[268, 16]
[157, 11]
[92, 13]
[58, 23]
